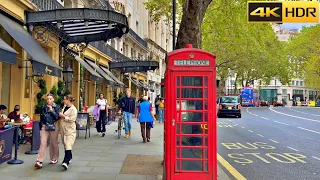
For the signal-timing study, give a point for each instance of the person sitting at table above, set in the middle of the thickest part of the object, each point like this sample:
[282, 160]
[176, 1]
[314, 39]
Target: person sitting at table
[15, 114]
[3, 117]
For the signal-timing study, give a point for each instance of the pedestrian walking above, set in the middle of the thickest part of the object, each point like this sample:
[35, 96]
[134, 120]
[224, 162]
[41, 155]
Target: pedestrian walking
[68, 128]
[161, 111]
[127, 105]
[146, 118]
[157, 103]
[103, 113]
[49, 128]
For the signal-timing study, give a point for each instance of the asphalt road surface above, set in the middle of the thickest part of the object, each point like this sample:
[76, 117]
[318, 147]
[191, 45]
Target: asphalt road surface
[280, 143]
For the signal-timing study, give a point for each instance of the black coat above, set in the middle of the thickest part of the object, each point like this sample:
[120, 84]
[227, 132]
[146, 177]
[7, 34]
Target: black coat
[47, 117]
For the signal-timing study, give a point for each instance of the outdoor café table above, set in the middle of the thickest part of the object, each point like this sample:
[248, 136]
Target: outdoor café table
[19, 124]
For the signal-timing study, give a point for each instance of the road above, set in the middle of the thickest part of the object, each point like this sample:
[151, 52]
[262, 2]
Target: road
[280, 143]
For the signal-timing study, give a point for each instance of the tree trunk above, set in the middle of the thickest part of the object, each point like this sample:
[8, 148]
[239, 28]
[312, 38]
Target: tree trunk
[191, 21]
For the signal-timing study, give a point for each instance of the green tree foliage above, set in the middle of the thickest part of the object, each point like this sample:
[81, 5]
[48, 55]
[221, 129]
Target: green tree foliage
[252, 51]
[304, 52]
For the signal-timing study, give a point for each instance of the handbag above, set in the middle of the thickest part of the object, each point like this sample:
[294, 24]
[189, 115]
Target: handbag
[50, 127]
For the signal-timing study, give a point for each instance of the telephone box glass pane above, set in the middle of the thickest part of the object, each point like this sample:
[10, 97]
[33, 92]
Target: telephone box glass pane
[206, 105]
[191, 129]
[191, 165]
[178, 105]
[192, 105]
[178, 141]
[191, 141]
[191, 116]
[205, 155]
[178, 81]
[177, 165]
[205, 81]
[192, 93]
[178, 92]
[192, 153]
[178, 129]
[178, 152]
[205, 119]
[192, 81]
[205, 93]
[206, 166]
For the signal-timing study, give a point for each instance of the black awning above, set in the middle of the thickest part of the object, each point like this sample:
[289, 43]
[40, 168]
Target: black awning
[119, 83]
[135, 82]
[94, 75]
[126, 66]
[41, 61]
[100, 71]
[7, 53]
[77, 25]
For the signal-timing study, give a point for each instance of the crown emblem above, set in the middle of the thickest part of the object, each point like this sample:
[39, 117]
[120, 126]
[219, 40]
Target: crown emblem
[191, 56]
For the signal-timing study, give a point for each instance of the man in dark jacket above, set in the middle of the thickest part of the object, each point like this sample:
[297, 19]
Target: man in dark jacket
[128, 107]
[157, 103]
[49, 129]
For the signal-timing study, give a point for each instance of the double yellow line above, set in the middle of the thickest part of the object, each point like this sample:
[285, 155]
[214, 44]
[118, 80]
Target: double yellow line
[230, 168]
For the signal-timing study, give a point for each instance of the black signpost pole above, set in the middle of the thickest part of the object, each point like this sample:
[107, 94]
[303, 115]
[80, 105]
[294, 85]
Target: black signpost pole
[32, 151]
[15, 160]
[173, 24]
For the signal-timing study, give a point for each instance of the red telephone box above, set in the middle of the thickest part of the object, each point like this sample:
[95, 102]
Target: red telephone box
[190, 129]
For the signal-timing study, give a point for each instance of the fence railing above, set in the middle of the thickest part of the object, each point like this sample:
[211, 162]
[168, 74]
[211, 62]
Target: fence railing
[110, 51]
[47, 4]
[138, 38]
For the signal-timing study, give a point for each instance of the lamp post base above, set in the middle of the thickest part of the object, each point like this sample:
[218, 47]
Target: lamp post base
[32, 152]
[15, 161]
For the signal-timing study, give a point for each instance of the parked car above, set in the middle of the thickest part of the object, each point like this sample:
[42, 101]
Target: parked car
[264, 103]
[229, 106]
[278, 103]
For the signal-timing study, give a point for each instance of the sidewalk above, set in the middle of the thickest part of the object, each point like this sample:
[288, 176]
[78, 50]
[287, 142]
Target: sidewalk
[100, 158]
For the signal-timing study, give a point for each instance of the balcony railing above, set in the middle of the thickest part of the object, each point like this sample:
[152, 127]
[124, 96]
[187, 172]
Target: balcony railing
[110, 51]
[47, 4]
[138, 38]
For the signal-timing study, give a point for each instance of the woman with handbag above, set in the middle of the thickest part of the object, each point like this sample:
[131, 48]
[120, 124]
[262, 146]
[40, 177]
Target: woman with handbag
[103, 113]
[49, 128]
[68, 128]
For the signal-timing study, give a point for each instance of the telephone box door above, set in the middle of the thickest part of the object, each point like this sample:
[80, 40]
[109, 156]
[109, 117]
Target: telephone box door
[193, 130]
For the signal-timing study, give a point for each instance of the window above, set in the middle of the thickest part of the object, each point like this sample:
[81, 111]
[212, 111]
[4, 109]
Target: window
[297, 83]
[137, 27]
[284, 92]
[232, 82]
[292, 83]
[301, 83]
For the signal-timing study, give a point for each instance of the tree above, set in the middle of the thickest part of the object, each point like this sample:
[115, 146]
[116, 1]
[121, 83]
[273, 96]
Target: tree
[304, 52]
[193, 12]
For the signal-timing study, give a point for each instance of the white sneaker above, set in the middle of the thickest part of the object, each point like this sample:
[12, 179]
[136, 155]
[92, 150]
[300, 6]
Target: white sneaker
[99, 134]
[65, 166]
[38, 165]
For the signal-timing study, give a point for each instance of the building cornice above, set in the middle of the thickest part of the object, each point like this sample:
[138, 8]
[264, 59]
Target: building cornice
[155, 44]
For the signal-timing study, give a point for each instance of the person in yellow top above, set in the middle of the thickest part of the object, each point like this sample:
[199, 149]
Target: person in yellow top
[161, 111]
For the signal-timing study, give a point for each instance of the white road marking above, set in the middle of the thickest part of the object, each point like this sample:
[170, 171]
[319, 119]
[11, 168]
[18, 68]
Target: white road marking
[264, 118]
[307, 119]
[274, 141]
[242, 127]
[316, 158]
[250, 131]
[292, 148]
[304, 112]
[260, 135]
[309, 130]
[282, 123]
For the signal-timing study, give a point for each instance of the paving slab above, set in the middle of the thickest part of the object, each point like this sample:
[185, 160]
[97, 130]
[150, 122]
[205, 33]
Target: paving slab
[94, 158]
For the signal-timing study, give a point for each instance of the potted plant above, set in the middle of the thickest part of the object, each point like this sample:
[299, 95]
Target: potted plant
[40, 100]
[59, 92]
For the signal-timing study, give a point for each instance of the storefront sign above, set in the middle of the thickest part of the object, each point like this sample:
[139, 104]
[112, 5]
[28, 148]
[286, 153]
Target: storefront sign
[191, 62]
[118, 5]
[82, 121]
[47, 70]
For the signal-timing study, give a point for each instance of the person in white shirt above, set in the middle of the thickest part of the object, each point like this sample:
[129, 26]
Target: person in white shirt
[3, 117]
[101, 124]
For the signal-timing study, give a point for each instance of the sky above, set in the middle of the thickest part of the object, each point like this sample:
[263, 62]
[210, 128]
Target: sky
[295, 25]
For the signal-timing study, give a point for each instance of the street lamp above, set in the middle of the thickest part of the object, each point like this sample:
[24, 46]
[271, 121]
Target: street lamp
[67, 76]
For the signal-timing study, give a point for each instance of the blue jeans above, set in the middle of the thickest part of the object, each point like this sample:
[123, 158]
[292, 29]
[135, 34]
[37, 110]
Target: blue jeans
[161, 114]
[127, 118]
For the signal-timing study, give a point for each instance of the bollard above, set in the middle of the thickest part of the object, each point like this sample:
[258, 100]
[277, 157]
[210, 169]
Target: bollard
[33, 151]
[15, 160]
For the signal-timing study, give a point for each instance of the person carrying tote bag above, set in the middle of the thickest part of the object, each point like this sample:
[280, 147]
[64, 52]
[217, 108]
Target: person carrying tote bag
[68, 128]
